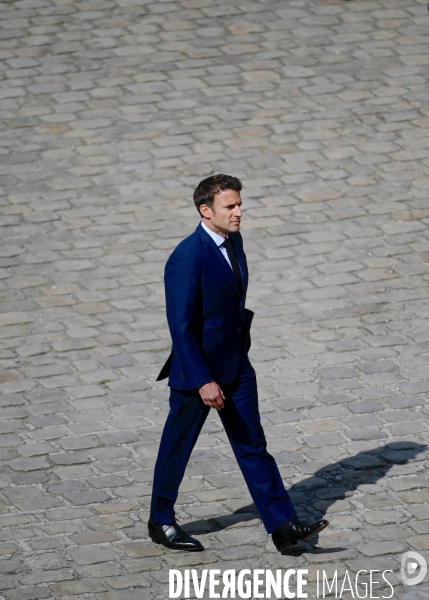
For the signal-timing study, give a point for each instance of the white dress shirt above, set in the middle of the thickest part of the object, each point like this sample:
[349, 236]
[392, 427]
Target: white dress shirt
[218, 240]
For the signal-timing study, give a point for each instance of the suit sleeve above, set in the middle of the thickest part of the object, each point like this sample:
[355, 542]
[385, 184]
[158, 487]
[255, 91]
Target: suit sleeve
[183, 297]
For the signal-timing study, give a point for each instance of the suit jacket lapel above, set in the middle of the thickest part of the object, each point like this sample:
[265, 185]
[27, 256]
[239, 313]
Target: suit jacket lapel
[243, 267]
[206, 239]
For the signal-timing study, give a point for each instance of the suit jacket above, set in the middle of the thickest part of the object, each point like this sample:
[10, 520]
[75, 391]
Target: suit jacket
[209, 324]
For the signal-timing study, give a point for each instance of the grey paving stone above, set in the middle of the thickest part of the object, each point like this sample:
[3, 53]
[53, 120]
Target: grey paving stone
[369, 406]
[66, 486]
[118, 437]
[29, 464]
[86, 497]
[368, 433]
[86, 556]
[108, 481]
[84, 586]
[31, 477]
[69, 458]
[41, 503]
[91, 537]
[29, 593]
[79, 442]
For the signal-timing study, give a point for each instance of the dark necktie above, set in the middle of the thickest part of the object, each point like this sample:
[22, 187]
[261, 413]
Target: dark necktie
[233, 259]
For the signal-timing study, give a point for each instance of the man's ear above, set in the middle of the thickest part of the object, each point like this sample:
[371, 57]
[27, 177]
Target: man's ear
[205, 211]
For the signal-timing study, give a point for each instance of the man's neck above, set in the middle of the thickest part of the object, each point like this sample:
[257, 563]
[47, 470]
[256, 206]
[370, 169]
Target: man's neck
[207, 223]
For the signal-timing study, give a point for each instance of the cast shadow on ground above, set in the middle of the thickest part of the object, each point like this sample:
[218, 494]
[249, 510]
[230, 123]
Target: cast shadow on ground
[313, 496]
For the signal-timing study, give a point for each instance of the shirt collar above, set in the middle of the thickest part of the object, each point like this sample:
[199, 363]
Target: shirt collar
[218, 239]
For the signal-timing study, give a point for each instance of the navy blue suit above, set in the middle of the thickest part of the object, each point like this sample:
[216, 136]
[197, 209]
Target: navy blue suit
[210, 331]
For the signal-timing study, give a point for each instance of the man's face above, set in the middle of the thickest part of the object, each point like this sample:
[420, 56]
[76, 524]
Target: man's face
[225, 216]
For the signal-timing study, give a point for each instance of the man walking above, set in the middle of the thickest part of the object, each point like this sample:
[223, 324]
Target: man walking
[205, 285]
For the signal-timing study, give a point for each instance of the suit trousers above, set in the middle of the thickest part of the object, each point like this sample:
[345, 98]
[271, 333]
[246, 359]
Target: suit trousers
[241, 420]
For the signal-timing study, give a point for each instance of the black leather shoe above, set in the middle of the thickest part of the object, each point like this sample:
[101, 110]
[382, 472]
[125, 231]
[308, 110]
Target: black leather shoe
[293, 531]
[172, 536]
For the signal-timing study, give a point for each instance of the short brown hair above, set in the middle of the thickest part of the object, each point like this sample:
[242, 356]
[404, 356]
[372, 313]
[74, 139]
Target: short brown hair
[209, 187]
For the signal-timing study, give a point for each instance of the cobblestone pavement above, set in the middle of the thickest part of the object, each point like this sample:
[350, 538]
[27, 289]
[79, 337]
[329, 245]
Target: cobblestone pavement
[112, 111]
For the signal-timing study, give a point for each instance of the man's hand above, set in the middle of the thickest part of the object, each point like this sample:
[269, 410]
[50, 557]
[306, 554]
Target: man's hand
[212, 395]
